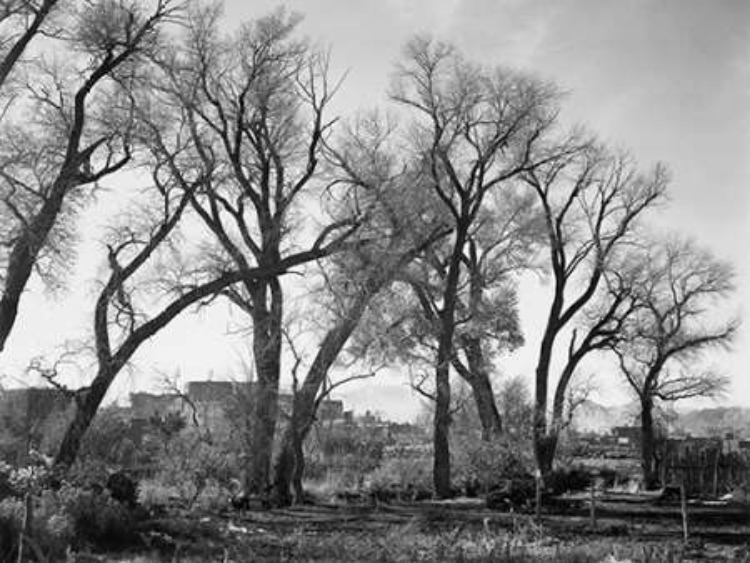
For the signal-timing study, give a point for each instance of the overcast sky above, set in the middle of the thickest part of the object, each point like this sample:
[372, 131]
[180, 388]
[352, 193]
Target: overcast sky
[667, 79]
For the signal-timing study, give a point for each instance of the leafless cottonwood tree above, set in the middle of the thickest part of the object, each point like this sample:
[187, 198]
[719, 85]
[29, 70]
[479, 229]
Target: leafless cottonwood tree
[257, 106]
[675, 323]
[74, 129]
[500, 245]
[147, 286]
[475, 131]
[591, 201]
[400, 224]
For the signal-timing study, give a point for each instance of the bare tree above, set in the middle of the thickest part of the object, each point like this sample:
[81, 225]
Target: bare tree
[674, 325]
[476, 130]
[591, 201]
[257, 108]
[501, 244]
[77, 129]
[138, 300]
[400, 225]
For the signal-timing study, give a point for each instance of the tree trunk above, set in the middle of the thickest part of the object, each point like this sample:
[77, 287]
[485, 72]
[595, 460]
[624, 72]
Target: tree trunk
[541, 449]
[267, 332]
[648, 446]
[289, 464]
[551, 439]
[24, 254]
[441, 470]
[86, 409]
[481, 387]
[546, 448]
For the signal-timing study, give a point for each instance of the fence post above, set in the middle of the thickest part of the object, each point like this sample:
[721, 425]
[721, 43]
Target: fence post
[538, 495]
[716, 472]
[26, 526]
[683, 509]
[593, 503]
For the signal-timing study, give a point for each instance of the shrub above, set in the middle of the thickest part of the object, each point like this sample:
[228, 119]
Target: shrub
[487, 465]
[11, 513]
[567, 479]
[401, 478]
[96, 518]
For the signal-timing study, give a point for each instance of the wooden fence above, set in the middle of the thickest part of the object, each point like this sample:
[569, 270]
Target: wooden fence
[706, 470]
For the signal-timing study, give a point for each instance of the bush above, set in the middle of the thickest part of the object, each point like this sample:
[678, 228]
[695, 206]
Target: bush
[482, 465]
[401, 478]
[96, 518]
[567, 480]
[11, 513]
[514, 493]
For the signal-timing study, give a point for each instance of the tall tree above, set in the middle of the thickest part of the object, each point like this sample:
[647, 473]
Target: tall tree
[674, 324]
[591, 201]
[144, 291]
[502, 244]
[77, 128]
[257, 106]
[401, 222]
[475, 130]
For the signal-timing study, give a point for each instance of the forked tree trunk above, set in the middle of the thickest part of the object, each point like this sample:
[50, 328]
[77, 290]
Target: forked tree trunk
[481, 388]
[289, 465]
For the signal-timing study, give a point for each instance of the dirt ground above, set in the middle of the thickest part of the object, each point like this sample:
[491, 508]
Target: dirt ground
[627, 529]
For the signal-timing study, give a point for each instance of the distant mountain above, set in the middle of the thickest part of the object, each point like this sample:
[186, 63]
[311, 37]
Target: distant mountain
[600, 419]
[715, 421]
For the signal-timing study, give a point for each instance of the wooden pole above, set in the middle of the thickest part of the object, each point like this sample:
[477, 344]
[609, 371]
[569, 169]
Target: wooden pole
[592, 506]
[683, 509]
[25, 526]
[716, 472]
[539, 486]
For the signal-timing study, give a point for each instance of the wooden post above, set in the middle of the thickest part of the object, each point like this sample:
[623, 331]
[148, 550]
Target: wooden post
[539, 486]
[25, 526]
[683, 509]
[592, 506]
[716, 472]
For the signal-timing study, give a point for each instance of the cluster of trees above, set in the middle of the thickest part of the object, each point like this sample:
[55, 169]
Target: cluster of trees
[416, 222]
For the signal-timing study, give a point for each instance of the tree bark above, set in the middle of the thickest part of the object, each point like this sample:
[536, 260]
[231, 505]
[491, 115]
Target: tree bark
[289, 463]
[267, 334]
[481, 388]
[541, 450]
[25, 251]
[441, 470]
[86, 409]
[648, 446]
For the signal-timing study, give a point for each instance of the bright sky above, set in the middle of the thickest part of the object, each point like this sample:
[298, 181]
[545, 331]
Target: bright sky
[668, 79]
